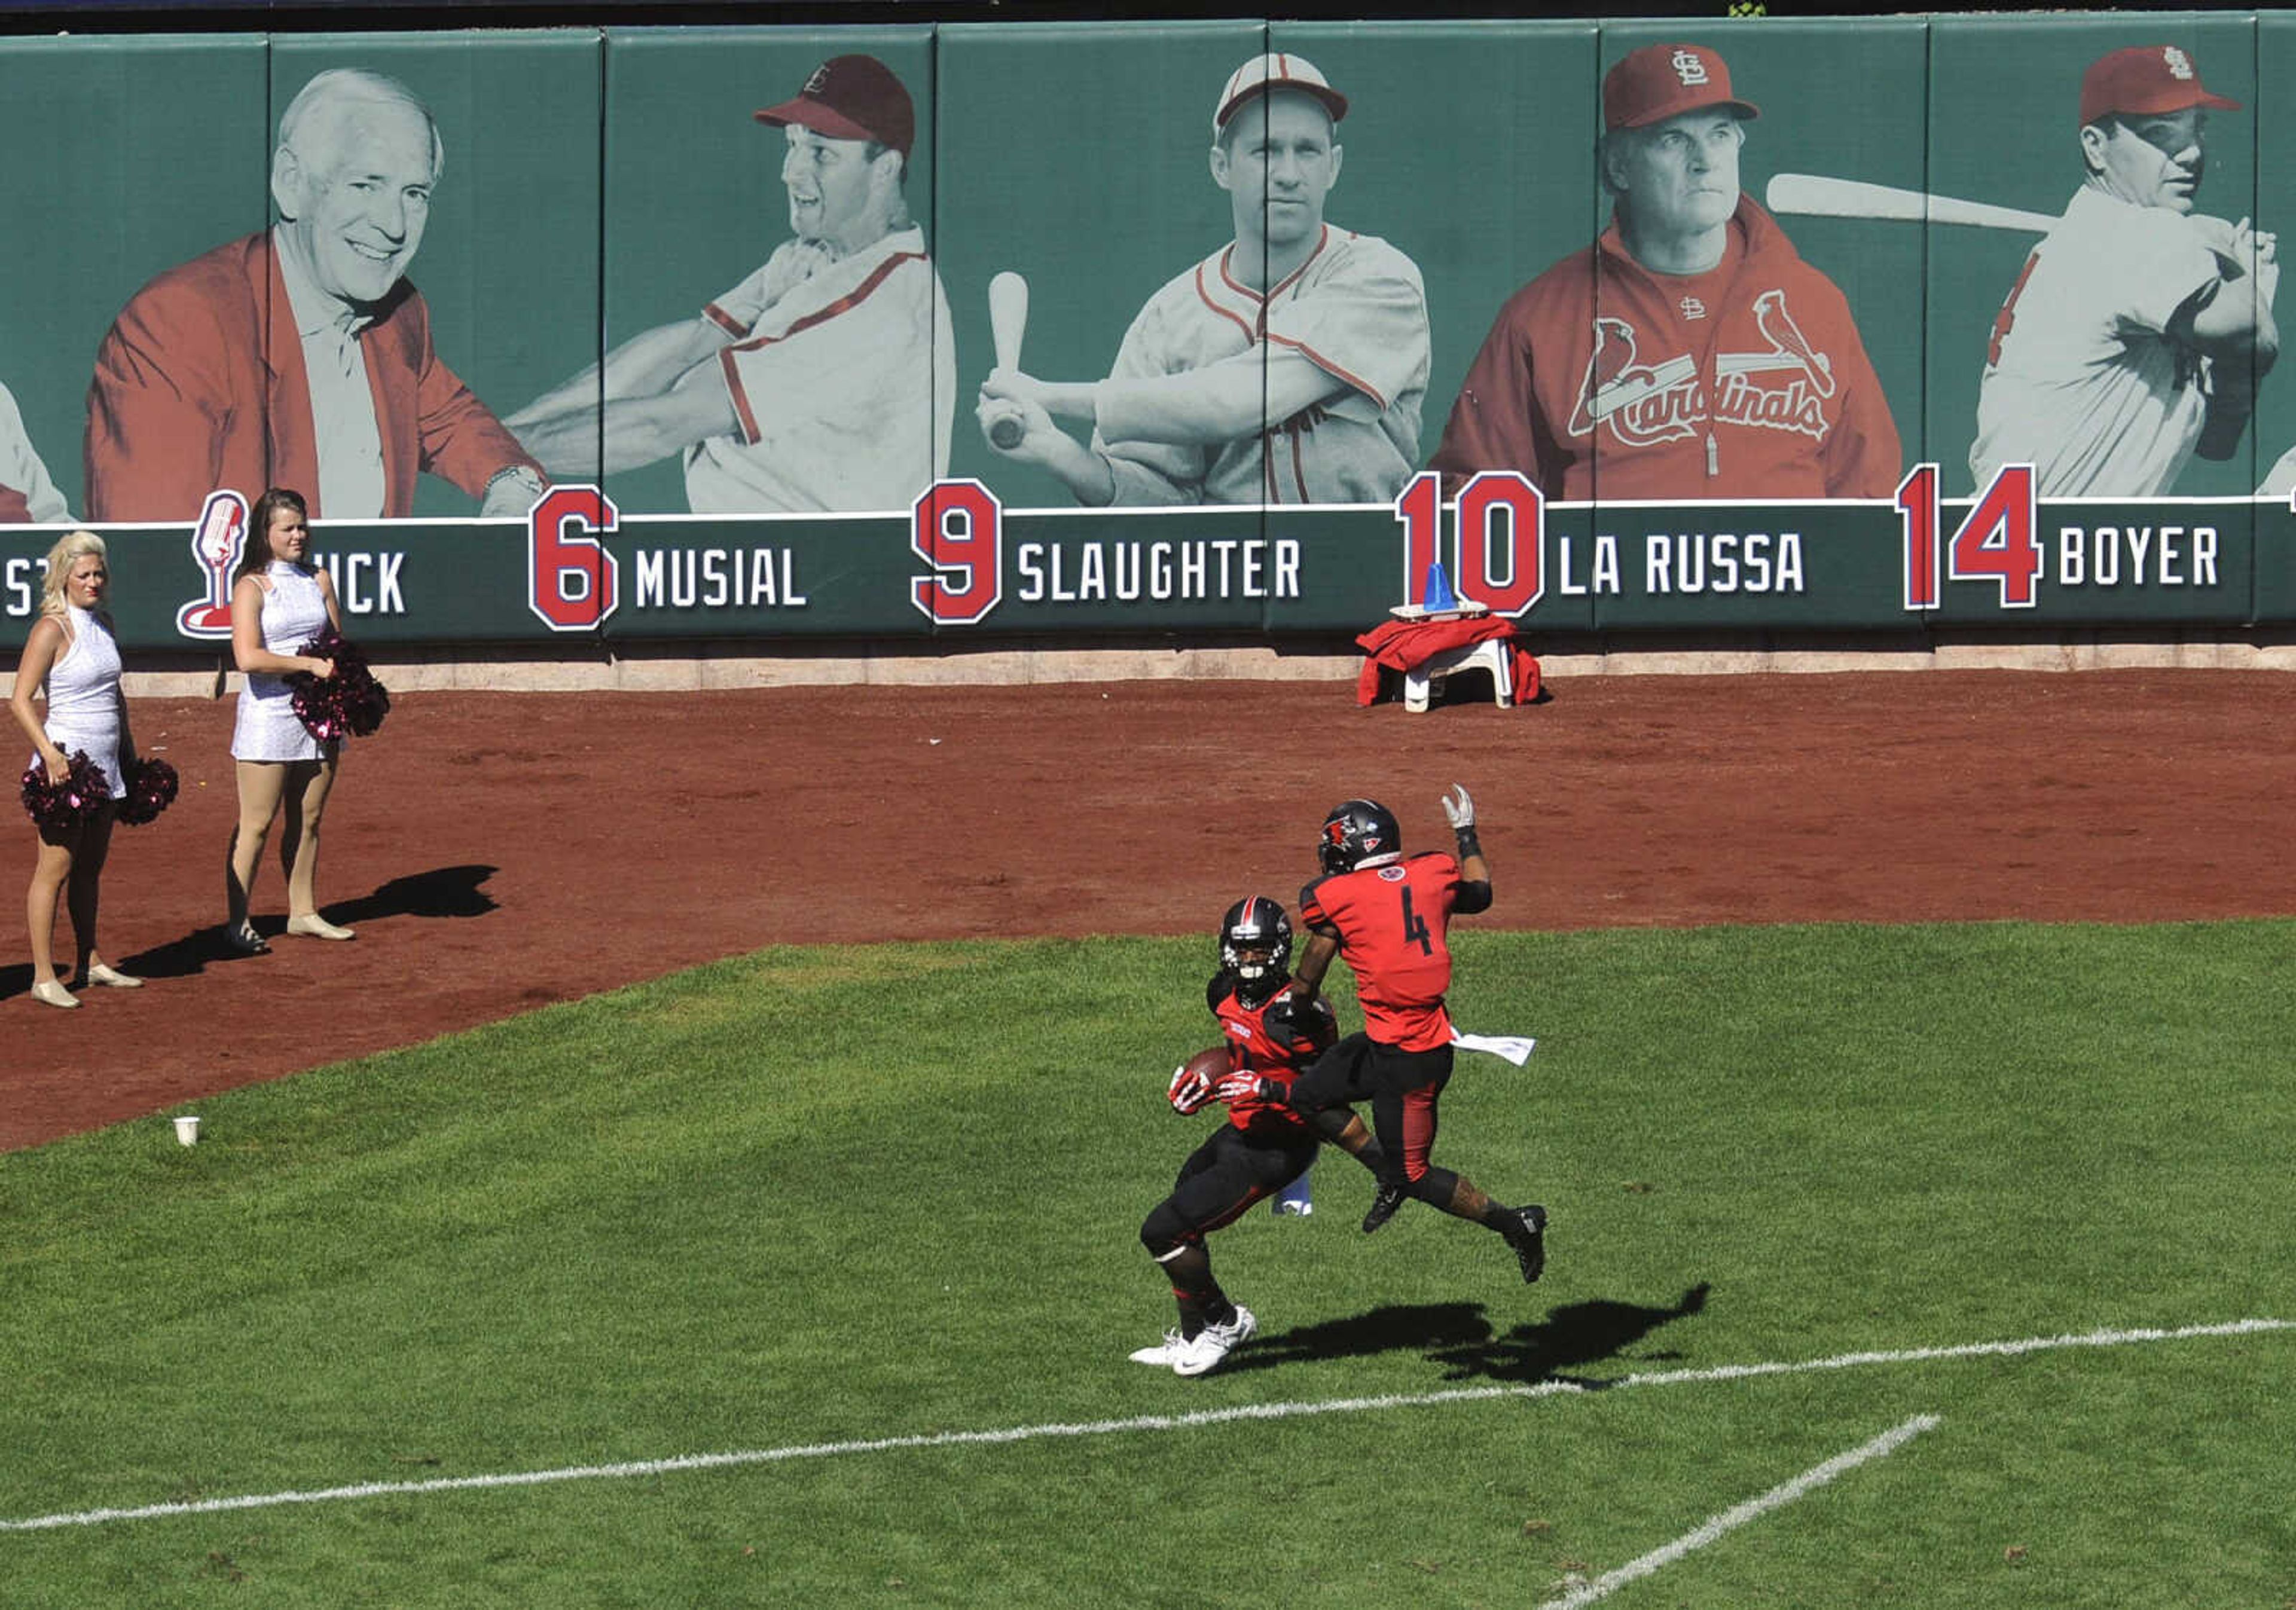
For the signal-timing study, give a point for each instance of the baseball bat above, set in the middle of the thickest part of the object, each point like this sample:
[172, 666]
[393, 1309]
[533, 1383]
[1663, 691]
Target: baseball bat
[1008, 321]
[1824, 196]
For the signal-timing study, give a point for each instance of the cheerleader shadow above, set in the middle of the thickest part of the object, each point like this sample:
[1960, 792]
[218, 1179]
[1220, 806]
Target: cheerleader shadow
[443, 892]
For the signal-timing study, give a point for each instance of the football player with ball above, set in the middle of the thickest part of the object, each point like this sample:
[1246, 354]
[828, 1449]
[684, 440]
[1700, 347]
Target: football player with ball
[1271, 1033]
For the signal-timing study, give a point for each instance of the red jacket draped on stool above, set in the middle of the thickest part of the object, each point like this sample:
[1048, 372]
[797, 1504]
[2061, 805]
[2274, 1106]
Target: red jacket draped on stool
[1402, 645]
[200, 384]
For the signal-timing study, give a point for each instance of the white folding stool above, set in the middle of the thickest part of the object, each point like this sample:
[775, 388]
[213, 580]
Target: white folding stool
[1489, 656]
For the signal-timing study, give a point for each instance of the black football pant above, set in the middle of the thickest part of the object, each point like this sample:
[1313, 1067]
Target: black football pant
[1221, 1180]
[1403, 1088]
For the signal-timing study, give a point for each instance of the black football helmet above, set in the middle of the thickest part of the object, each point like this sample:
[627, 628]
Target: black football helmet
[1255, 944]
[1360, 833]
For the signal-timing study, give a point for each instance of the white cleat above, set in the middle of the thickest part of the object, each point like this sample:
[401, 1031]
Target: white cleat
[1166, 1353]
[1214, 1343]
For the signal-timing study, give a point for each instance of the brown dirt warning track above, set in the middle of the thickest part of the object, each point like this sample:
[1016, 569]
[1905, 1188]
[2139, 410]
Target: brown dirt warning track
[498, 851]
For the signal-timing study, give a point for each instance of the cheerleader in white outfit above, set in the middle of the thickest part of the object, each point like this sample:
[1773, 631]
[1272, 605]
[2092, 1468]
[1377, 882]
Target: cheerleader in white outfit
[279, 602]
[71, 654]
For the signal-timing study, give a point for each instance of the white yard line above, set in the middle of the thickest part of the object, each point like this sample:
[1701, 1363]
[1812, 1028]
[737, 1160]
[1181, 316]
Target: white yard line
[1752, 1509]
[1146, 1422]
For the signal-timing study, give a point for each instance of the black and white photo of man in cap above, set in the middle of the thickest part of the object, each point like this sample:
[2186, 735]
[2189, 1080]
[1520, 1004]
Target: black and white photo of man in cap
[1287, 367]
[2135, 334]
[824, 381]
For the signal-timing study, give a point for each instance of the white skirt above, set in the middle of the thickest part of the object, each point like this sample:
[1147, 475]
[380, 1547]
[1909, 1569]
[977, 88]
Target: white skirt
[267, 727]
[99, 737]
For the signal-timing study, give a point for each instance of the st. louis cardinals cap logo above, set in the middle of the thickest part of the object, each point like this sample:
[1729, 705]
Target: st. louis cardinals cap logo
[2179, 64]
[1690, 66]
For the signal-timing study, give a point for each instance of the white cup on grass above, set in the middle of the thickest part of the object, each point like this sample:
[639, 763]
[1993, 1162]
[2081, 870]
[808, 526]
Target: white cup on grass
[188, 1130]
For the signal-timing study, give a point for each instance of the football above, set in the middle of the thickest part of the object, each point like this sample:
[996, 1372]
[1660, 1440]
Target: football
[1211, 1066]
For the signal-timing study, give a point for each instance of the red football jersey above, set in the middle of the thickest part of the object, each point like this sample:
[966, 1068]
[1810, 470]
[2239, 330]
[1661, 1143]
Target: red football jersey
[1393, 924]
[1278, 1051]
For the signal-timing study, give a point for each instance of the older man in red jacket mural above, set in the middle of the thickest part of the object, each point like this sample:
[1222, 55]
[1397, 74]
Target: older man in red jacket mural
[1690, 353]
[301, 356]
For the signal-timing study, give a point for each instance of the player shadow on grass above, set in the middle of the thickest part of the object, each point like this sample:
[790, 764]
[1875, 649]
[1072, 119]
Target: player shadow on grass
[443, 892]
[1573, 1334]
[1458, 1336]
[1400, 1328]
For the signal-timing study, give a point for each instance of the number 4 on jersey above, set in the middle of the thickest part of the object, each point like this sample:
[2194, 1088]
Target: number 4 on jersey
[1995, 542]
[1414, 927]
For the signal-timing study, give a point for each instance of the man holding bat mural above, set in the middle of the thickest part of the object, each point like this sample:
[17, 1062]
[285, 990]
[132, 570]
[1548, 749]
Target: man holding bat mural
[2137, 331]
[1288, 367]
[824, 382]
[1691, 354]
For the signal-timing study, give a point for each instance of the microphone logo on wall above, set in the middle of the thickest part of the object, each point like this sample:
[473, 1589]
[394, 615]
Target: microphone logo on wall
[215, 544]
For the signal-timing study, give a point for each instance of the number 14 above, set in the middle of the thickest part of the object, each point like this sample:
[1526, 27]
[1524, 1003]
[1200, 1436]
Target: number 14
[1994, 541]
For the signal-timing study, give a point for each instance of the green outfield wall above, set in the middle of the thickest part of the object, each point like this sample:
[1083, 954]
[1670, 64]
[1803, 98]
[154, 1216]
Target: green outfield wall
[2020, 382]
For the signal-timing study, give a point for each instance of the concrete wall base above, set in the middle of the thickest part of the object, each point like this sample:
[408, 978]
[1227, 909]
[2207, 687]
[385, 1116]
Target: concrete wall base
[684, 667]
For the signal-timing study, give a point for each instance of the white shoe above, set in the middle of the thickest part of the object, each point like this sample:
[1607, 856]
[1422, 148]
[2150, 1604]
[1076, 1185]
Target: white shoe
[1214, 1343]
[1168, 1353]
[314, 926]
[1293, 1201]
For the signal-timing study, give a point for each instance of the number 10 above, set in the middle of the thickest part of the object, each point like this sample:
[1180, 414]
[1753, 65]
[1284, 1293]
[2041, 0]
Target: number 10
[1499, 535]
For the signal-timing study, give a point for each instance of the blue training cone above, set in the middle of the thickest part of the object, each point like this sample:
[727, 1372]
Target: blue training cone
[1437, 595]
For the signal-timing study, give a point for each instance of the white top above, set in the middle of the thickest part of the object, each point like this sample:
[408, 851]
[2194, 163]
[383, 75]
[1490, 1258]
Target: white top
[842, 376]
[1357, 310]
[83, 696]
[2086, 384]
[21, 470]
[349, 442]
[294, 612]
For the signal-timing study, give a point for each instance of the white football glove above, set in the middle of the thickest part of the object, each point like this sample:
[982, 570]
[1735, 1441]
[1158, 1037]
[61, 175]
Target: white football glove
[1189, 1090]
[1460, 811]
[1241, 1082]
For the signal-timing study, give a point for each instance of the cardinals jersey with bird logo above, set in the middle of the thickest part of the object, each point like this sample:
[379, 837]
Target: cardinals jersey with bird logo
[1602, 378]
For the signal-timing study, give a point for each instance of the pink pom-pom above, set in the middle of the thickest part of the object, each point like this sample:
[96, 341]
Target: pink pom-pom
[83, 792]
[351, 703]
[152, 786]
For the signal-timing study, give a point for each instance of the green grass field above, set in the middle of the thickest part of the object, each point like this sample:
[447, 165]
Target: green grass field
[810, 1203]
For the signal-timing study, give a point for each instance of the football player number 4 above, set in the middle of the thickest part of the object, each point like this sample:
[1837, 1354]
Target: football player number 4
[1414, 927]
[1995, 541]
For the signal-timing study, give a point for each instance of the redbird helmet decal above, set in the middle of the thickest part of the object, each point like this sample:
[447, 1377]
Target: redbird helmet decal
[1357, 833]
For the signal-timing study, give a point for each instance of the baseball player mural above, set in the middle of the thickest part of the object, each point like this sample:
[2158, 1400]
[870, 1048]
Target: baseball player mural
[301, 356]
[1287, 367]
[1690, 353]
[26, 496]
[2135, 334]
[826, 380]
